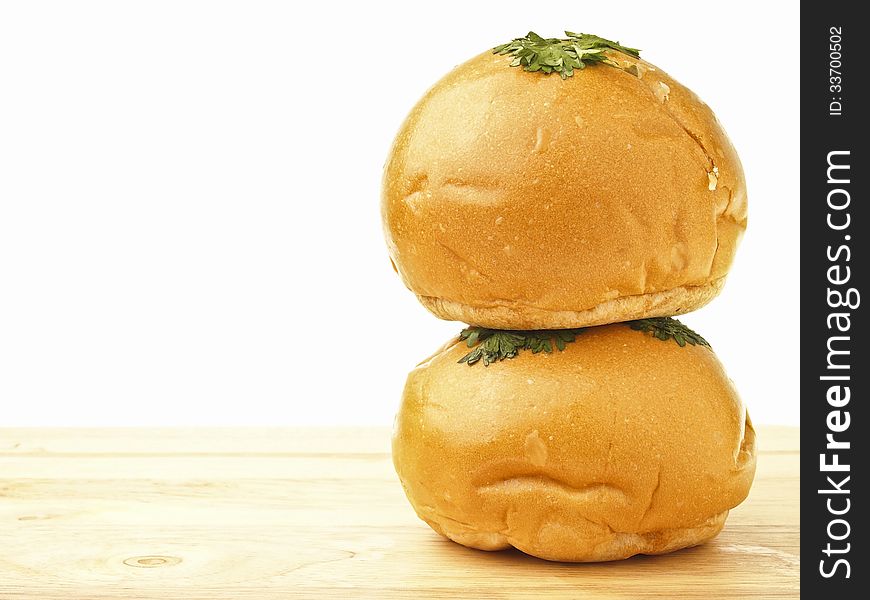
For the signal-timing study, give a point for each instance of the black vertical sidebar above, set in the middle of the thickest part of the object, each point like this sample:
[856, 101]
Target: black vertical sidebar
[835, 369]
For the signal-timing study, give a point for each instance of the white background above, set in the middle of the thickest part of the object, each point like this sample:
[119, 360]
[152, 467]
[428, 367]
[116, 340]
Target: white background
[189, 220]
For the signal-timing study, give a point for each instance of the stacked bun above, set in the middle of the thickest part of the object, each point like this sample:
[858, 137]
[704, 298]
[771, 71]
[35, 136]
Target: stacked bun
[536, 207]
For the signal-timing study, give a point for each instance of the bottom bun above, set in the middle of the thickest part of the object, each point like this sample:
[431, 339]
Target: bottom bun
[570, 542]
[620, 444]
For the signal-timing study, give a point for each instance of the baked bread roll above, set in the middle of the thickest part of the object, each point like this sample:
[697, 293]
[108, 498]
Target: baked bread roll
[518, 200]
[620, 444]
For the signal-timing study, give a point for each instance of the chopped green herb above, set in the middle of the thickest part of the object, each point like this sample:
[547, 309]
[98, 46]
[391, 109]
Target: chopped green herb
[492, 345]
[562, 56]
[666, 328]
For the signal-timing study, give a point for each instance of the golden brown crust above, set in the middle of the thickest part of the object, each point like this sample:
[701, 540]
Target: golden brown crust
[560, 541]
[505, 186]
[516, 315]
[620, 444]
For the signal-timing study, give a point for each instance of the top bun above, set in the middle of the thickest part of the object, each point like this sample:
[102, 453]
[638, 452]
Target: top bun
[519, 200]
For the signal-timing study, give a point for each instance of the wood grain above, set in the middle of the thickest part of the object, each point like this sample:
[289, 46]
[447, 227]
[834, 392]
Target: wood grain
[318, 513]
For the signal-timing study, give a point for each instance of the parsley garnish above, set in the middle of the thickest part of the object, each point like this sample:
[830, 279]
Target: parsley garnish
[562, 56]
[495, 344]
[665, 328]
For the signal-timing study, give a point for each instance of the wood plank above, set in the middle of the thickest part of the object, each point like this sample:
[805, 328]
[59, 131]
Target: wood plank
[239, 514]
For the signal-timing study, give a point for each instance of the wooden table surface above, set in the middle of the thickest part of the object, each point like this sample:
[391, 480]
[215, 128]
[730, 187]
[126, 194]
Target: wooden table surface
[318, 513]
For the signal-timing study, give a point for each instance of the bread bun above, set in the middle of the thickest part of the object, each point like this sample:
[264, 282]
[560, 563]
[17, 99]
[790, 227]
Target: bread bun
[620, 444]
[518, 200]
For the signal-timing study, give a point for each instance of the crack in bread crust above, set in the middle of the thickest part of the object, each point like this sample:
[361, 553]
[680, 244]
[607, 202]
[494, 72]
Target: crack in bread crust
[555, 485]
